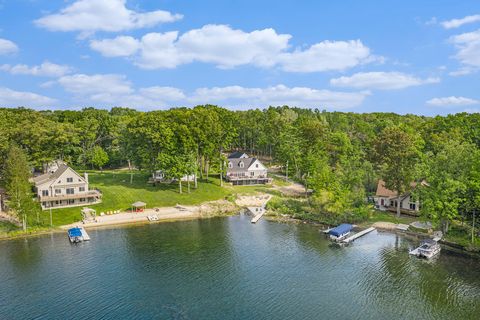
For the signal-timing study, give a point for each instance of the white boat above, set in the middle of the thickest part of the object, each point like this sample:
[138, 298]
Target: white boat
[428, 249]
[77, 234]
[153, 217]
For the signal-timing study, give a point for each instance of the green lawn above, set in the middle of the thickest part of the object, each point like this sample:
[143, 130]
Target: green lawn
[386, 216]
[119, 194]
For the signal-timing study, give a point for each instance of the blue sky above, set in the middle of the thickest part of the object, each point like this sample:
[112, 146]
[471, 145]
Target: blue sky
[420, 57]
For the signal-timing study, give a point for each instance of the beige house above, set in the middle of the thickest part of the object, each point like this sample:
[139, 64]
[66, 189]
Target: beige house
[243, 170]
[386, 199]
[62, 187]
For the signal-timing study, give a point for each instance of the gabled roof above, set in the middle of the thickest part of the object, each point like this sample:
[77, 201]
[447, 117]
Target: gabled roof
[51, 177]
[237, 155]
[382, 191]
[247, 162]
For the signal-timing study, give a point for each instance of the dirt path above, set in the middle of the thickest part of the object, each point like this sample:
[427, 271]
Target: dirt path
[293, 189]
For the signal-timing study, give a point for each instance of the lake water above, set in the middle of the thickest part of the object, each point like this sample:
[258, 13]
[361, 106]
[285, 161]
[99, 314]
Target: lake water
[227, 268]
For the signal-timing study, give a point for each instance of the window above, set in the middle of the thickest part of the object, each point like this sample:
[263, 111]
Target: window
[256, 166]
[79, 180]
[230, 165]
[252, 173]
[58, 191]
[69, 179]
[81, 189]
[70, 191]
[241, 164]
[59, 181]
[56, 202]
[82, 199]
[44, 193]
[412, 206]
[71, 201]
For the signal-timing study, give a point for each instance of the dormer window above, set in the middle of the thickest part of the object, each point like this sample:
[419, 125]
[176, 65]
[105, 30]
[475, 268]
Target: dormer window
[230, 165]
[241, 164]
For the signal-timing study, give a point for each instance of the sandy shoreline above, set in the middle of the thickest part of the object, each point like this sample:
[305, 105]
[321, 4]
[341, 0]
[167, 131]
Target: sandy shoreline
[167, 213]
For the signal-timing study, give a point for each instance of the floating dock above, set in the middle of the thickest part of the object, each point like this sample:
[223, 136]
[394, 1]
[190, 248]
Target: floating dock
[257, 217]
[85, 235]
[357, 235]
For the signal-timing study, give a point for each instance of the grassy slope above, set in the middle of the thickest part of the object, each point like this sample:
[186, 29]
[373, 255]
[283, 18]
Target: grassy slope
[119, 194]
[7, 227]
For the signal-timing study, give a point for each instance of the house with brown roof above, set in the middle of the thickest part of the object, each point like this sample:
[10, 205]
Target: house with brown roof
[386, 199]
[243, 170]
[62, 187]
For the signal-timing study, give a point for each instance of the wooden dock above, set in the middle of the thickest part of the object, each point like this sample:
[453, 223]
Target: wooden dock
[85, 235]
[257, 217]
[358, 235]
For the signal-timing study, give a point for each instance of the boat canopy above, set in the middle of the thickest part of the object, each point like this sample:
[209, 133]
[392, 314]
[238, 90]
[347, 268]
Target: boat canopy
[75, 232]
[341, 229]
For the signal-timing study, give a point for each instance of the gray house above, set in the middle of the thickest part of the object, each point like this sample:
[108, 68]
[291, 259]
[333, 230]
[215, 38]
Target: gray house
[243, 170]
[62, 187]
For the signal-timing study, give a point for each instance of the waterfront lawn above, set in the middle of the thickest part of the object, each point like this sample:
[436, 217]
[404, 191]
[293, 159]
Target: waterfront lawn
[119, 193]
[385, 216]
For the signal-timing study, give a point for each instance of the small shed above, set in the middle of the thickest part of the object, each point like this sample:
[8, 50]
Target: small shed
[139, 206]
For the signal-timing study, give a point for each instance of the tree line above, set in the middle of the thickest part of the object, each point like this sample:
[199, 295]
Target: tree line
[340, 156]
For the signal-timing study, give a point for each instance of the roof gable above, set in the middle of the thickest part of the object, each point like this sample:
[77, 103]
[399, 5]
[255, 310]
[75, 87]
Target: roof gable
[237, 155]
[254, 162]
[234, 165]
[52, 178]
[382, 191]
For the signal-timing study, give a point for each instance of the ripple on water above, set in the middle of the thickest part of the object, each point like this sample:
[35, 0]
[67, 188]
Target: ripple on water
[230, 269]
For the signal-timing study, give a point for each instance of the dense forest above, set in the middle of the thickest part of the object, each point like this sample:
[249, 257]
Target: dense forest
[340, 156]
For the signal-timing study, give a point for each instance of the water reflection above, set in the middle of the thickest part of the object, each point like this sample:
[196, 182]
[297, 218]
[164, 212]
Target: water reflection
[227, 268]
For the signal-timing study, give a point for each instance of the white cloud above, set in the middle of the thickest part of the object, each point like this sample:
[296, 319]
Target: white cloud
[228, 48]
[452, 101]
[162, 93]
[116, 90]
[241, 97]
[7, 46]
[46, 69]
[462, 72]
[122, 46]
[97, 85]
[89, 16]
[381, 81]
[326, 56]
[455, 23]
[468, 46]
[12, 98]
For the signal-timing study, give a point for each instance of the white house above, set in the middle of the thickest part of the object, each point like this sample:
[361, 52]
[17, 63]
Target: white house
[243, 170]
[159, 176]
[62, 187]
[386, 199]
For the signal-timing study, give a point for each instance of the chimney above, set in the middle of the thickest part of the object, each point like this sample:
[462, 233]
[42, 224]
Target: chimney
[85, 175]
